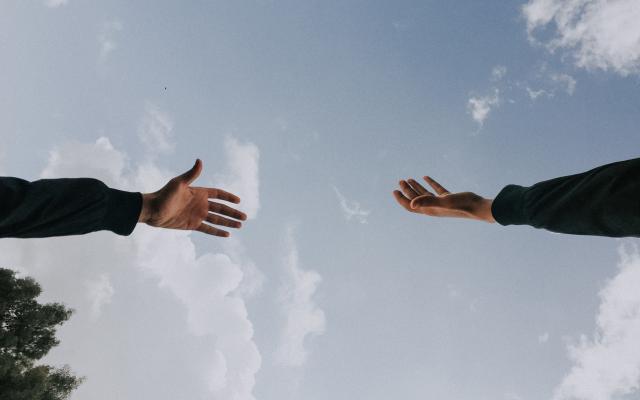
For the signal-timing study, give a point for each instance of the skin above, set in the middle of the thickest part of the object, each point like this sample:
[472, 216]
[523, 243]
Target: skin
[181, 206]
[415, 198]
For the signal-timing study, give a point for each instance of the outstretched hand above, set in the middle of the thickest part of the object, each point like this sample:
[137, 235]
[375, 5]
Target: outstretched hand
[415, 198]
[181, 206]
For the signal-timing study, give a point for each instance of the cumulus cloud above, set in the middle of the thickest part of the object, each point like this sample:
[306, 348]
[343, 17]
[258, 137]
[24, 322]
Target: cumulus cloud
[598, 34]
[208, 348]
[241, 176]
[55, 3]
[107, 39]
[607, 365]
[352, 209]
[303, 317]
[155, 131]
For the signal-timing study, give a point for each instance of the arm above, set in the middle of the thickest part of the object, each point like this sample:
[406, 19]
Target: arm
[75, 206]
[58, 207]
[603, 201]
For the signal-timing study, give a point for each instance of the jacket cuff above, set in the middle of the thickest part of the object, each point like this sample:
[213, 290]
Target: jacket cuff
[123, 211]
[508, 206]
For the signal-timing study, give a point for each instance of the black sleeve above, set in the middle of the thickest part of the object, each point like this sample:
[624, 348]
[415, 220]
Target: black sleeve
[68, 206]
[604, 201]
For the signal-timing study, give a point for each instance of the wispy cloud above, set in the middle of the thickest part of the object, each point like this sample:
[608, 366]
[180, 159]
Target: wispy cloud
[303, 318]
[352, 210]
[498, 72]
[241, 176]
[548, 82]
[567, 82]
[155, 131]
[55, 3]
[543, 337]
[608, 364]
[481, 106]
[99, 291]
[107, 39]
[598, 34]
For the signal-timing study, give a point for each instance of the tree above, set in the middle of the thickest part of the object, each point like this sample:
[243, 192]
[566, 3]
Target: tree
[27, 333]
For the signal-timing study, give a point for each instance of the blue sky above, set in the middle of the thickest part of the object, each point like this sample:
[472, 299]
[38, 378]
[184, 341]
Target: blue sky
[312, 111]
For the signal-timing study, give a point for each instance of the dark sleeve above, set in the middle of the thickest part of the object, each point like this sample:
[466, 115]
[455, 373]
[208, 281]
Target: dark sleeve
[604, 201]
[68, 206]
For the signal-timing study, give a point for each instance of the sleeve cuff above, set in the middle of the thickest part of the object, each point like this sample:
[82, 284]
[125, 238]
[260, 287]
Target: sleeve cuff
[508, 206]
[123, 211]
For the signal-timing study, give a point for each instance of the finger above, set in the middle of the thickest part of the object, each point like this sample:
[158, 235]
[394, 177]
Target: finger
[226, 210]
[407, 190]
[193, 173]
[210, 230]
[438, 187]
[403, 201]
[220, 220]
[418, 188]
[222, 195]
[426, 201]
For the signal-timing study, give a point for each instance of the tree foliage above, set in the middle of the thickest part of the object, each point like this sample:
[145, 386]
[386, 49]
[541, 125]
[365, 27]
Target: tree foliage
[27, 333]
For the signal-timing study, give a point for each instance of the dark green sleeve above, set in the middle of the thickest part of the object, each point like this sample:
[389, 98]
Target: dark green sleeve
[68, 206]
[604, 201]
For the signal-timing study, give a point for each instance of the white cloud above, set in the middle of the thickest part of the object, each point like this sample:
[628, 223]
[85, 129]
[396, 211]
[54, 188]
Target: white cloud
[598, 34]
[567, 82]
[498, 72]
[107, 39]
[99, 292]
[241, 176]
[608, 364]
[210, 343]
[543, 337]
[480, 107]
[352, 209]
[302, 316]
[55, 3]
[155, 131]
[512, 396]
[453, 291]
[548, 83]
[534, 94]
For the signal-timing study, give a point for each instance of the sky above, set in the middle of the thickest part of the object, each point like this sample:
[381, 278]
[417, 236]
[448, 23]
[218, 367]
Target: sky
[311, 112]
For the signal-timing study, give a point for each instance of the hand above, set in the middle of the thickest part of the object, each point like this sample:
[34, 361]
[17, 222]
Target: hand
[415, 198]
[180, 206]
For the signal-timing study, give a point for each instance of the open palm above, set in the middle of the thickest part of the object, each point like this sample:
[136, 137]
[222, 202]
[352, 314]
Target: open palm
[181, 206]
[415, 198]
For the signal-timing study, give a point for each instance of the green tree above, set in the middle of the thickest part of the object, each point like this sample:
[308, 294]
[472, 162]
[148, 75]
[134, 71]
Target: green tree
[27, 333]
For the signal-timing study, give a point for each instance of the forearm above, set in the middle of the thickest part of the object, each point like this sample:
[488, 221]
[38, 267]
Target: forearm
[603, 201]
[68, 206]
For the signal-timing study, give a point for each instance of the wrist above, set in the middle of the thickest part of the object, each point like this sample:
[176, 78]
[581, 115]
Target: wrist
[485, 210]
[147, 207]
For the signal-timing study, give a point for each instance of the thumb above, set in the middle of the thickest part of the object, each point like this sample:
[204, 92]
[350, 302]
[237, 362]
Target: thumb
[425, 201]
[193, 173]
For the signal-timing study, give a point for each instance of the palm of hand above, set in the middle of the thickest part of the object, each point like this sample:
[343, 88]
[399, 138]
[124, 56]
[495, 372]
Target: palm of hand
[180, 206]
[417, 199]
